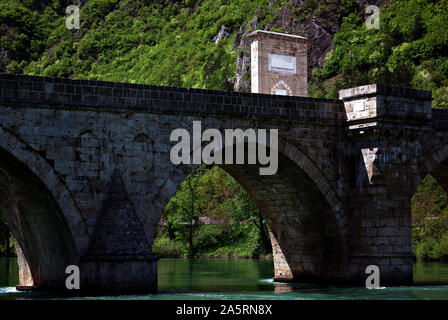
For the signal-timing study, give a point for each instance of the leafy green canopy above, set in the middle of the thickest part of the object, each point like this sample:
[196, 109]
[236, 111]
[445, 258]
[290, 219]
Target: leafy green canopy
[139, 41]
[410, 49]
[25, 30]
[430, 221]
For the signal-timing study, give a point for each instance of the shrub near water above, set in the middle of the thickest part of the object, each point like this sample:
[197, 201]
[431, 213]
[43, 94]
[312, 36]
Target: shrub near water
[229, 241]
[431, 249]
[431, 238]
[425, 250]
[163, 245]
[441, 249]
[214, 241]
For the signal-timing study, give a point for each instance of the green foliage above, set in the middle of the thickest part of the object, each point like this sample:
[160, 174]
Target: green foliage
[167, 247]
[309, 5]
[432, 249]
[171, 43]
[28, 29]
[429, 200]
[441, 250]
[185, 209]
[212, 193]
[430, 220]
[435, 227]
[229, 241]
[6, 241]
[425, 250]
[410, 50]
[214, 241]
[154, 42]
[347, 7]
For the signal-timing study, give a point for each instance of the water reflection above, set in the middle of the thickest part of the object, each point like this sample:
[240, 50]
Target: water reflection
[248, 279]
[282, 288]
[9, 272]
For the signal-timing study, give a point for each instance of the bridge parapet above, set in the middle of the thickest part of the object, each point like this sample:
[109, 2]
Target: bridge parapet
[48, 92]
[392, 128]
[370, 105]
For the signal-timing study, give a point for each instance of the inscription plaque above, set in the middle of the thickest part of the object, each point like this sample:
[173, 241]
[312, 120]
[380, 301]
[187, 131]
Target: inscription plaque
[282, 63]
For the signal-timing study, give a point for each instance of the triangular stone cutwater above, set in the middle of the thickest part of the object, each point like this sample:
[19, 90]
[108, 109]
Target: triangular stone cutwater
[118, 231]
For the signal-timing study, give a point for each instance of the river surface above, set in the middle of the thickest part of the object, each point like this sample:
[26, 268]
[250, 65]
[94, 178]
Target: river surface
[183, 279]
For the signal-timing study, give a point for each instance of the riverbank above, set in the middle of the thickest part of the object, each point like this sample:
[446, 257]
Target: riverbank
[222, 257]
[216, 242]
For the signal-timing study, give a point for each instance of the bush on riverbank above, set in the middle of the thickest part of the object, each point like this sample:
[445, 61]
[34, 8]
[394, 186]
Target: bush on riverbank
[230, 241]
[214, 241]
[431, 249]
[430, 221]
[168, 248]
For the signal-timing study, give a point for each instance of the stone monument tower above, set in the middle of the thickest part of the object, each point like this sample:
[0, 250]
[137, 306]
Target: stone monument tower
[278, 63]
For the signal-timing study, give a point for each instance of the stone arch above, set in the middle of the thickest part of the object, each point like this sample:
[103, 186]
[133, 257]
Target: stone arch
[305, 216]
[43, 217]
[281, 85]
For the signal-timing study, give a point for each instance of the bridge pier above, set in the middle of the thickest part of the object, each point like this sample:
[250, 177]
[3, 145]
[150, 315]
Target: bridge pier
[26, 282]
[119, 258]
[387, 126]
[381, 234]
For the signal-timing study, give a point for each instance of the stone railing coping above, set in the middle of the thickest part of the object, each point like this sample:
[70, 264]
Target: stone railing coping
[114, 96]
[379, 89]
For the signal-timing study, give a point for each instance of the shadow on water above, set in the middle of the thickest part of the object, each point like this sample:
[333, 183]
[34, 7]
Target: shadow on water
[185, 279]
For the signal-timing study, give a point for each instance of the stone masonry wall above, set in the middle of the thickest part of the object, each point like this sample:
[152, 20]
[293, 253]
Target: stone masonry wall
[82, 131]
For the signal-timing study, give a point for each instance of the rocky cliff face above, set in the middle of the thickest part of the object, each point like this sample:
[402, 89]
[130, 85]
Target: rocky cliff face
[318, 22]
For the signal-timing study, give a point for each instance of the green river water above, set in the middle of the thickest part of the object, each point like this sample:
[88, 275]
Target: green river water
[183, 279]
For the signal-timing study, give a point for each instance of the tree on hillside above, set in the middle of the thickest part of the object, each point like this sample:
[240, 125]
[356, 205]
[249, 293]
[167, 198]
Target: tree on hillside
[429, 200]
[211, 193]
[408, 50]
[225, 199]
[185, 208]
[244, 210]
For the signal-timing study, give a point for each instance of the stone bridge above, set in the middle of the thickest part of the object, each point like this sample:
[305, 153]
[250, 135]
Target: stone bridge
[85, 174]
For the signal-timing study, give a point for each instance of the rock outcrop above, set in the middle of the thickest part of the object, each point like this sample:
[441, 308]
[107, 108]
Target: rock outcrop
[318, 25]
